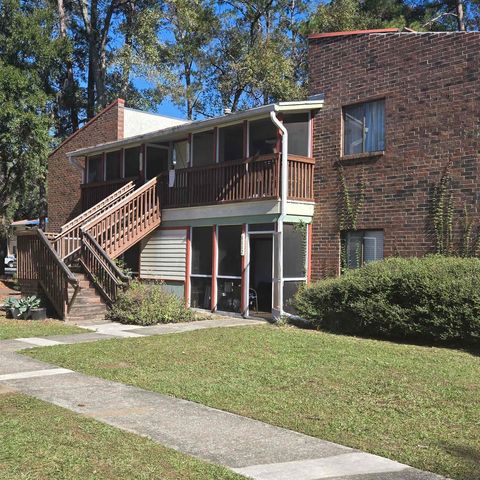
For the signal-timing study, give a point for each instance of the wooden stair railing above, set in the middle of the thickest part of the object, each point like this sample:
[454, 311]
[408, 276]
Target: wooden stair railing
[38, 261]
[103, 272]
[67, 242]
[127, 222]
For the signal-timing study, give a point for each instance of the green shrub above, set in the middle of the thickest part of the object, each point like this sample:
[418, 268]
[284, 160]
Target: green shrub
[149, 304]
[432, 298]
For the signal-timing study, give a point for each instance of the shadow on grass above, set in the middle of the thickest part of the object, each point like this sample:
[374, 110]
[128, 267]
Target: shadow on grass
[471, 348]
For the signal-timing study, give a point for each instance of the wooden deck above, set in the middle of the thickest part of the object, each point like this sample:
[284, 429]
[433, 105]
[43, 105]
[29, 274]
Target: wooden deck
[256, 178]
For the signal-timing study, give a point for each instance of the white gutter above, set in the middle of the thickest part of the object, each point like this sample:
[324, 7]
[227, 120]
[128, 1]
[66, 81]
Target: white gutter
[283, 212]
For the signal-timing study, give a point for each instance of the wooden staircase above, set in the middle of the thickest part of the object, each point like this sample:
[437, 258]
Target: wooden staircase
[92, 240]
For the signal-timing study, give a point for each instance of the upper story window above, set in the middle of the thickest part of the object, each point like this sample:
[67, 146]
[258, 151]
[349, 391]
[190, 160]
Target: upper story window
[298, 126]
[132, 162]
[230, 143]
[360, 247]
[95, 169]
[364, 128]
[113, 167]
[263, 136]
[203, 151]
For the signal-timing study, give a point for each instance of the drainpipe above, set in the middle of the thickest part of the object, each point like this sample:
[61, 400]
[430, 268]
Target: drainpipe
[283, 213]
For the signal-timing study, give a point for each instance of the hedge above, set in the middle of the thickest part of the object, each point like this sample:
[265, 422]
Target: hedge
[432, 298]
[149, 304]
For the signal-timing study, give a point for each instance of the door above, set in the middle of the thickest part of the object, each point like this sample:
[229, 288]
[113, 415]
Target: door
[261, 273]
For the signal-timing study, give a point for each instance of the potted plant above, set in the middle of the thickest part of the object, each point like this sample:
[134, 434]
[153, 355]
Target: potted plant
[26, 307]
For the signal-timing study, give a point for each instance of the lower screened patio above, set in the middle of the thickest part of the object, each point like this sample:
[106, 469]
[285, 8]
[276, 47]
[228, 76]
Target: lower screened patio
[228, 267]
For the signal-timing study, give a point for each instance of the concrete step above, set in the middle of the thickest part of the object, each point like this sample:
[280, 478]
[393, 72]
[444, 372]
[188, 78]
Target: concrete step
[92, 320]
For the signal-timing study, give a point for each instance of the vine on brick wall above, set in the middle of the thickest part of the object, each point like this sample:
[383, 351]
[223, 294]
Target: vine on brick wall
[443, 215]
[301, 227]
[443, 212]
[349, 211]
[351, 206]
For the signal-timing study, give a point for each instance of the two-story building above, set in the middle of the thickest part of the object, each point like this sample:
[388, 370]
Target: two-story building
[234, 213]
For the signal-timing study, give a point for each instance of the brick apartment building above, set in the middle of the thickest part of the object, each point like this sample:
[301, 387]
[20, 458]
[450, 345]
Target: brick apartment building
[426, 86]
[235, 212]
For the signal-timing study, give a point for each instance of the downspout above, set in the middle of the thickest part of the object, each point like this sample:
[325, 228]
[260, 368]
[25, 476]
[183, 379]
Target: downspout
[283, 212]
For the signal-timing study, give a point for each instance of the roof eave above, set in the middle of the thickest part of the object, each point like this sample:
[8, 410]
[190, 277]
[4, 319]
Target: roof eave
[193, 127]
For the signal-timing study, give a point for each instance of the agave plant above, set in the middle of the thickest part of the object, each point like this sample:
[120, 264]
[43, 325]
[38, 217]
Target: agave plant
[20, 307]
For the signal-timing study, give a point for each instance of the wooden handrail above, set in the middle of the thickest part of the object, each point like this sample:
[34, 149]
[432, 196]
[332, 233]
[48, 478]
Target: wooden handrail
[123, 202]
[128, 221]
[111, 264]
[70, 277]
[103, 272]
[38, 261]
[83, 217]
[67, 242]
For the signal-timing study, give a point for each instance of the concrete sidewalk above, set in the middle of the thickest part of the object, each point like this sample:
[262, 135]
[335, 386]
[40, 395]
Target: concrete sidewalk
[252, 448]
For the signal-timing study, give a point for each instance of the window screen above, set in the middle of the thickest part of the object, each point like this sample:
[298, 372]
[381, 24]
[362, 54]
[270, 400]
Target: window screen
[361, 247]
[202, 250]
[297, 126]
[203, 149]
[180, 155]
[132, 162]
[289, 291]
[294, 252]
[263, 137]
[157, 161]
[230, 143]
[364, 127]
[113, 168]
[201, 292]
[229, 295]
[95, 169]
[229, 258]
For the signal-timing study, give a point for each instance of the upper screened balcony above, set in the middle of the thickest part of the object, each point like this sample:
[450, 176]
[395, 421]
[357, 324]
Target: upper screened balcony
[223, 160]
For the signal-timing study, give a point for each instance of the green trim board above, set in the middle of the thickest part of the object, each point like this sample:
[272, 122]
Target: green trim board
[207, 222]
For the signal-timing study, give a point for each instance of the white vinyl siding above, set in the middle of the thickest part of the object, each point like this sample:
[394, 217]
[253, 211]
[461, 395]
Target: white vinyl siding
[164, 255]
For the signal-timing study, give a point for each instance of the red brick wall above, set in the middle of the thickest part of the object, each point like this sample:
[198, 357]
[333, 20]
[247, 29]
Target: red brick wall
[64, 179]
[431, 86]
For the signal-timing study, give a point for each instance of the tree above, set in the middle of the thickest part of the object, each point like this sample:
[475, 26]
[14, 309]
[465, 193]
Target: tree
[30, 58]
[258, 54]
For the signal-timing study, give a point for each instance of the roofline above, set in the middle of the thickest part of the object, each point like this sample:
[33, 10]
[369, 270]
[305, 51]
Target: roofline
[118, 101]
[195, 126]
[155, 114]
[352, 32]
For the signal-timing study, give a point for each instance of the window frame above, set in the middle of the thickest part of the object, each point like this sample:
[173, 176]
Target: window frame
[363, 232]
[363, 153]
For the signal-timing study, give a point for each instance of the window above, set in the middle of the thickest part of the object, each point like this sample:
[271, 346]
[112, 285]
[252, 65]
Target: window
[203, 149]
[180, 155]
[230, 143]
[361, 247]
[95, 169]
[157, 161]
[229, 259]
[132, 162]
[297, 125]
[201, 276]
[263, 137]
[364, 128]
[113, 169]
[229, 268]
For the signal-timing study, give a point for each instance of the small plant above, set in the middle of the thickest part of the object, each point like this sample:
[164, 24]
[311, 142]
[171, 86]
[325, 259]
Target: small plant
[21, 307]
[149, 304]
[123, 267]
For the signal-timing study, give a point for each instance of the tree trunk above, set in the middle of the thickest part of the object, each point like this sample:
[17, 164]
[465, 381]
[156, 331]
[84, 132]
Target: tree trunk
[460, 15]
[129, 23]
[68, 94]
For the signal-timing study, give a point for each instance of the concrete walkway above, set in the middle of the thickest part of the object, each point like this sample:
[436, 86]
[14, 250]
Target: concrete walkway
[252, 448]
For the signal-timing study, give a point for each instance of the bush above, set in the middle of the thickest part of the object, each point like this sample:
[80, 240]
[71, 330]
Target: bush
[432, 298]
[149, 304]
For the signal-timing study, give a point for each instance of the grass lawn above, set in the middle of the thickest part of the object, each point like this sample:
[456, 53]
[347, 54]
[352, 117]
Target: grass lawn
[40, 441]
[34, 328]
[417, 405]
